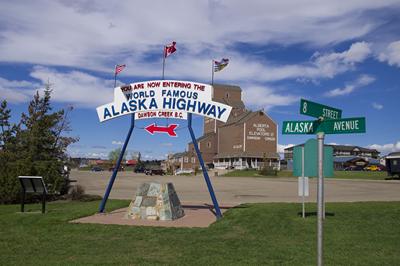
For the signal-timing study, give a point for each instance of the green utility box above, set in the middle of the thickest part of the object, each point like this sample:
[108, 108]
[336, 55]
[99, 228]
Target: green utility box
[311, 160]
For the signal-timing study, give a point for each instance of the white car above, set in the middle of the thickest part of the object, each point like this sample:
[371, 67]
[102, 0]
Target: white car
[184, 171]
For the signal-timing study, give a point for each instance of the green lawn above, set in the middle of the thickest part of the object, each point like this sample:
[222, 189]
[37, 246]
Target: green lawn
[267, 234]
[337, 174]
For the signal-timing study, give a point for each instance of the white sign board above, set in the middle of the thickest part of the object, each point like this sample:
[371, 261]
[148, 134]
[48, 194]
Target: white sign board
[161, 114]
[306, 185]
[164, 95]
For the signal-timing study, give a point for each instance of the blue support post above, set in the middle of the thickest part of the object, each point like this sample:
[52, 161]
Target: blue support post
[116, 167]
[205, 174]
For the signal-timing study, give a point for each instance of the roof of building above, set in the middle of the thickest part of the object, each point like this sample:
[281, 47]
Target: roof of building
[224, 86]
[373, 161]
[180, 154]
[393, 155]
[235, 104]
[269, 155]
[343, 159]
[247, 115]
[339, 147]
[209, 134]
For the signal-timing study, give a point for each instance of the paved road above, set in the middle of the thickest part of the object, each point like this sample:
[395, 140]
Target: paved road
[236, 190]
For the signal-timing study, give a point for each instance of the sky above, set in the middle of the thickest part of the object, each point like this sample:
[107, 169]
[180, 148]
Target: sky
[343, 55]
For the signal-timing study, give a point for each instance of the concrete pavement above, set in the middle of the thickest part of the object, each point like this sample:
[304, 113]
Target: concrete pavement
[237, 190]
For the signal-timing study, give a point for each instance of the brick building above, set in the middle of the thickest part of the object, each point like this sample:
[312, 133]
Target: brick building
[246, 140]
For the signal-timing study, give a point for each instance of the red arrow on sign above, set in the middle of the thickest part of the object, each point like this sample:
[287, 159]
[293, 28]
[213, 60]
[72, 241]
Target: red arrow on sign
[170, 130]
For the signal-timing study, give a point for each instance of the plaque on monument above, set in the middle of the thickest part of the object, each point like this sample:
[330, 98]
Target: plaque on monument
[155, 201]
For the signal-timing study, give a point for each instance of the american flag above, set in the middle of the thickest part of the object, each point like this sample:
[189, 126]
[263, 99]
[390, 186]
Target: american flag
[169, 49]
[119, 68]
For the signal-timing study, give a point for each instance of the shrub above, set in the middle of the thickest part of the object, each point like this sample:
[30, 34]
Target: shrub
[268, 171]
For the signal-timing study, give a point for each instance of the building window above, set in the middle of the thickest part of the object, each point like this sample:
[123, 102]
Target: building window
[209, 144]
[186, 159]
[193, 159]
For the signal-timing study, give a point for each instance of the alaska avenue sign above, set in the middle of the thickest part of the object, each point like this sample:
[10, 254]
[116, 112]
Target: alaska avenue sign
[329, 121]
[337, 126]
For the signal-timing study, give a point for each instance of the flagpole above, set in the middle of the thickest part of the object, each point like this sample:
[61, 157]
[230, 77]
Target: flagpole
[212, 72]
[163, 63]
[163, 69]
[115, 76]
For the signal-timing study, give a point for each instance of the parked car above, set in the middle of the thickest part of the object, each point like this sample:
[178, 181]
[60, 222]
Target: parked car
[121, 168]
[372, 168]
[354, 168]
[382, 167]
[184, 171]
[154, 172]
[96, 169]
[139, 170]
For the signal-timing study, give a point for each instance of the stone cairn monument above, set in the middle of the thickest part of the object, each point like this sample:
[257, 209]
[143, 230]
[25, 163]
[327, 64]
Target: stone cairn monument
[155, 201]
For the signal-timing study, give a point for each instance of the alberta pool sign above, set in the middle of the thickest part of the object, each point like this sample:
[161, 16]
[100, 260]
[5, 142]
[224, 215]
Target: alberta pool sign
[163, 99]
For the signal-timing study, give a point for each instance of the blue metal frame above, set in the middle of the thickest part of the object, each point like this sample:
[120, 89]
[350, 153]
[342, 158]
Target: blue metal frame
[196, 147]
[205, 174]
[116, 167]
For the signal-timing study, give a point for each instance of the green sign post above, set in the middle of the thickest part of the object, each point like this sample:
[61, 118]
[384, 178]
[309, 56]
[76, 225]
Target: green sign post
[329, 121]
[343, 126]
[318, 110]
[336, 126]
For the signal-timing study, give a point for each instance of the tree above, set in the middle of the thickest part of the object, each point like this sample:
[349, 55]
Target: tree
[114, 155]
[36, 146]
[7, 130]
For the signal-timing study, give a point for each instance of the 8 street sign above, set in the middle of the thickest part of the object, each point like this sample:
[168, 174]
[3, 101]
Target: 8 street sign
[338, 126]
[318, 110]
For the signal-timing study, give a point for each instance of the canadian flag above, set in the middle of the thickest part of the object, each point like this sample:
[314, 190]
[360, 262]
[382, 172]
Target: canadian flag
[169, 49]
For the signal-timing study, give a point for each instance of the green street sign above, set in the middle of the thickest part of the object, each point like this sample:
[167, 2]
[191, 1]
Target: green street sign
[300, 127]
[318, 110]
[343, 126]
[337, 126]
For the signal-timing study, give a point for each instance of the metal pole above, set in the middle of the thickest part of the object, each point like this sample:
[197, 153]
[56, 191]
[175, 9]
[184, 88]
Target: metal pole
[163, 63]
[320, 229]
[212, 72]
[44, 202]
[23, 200]
[115, 76]
[303, 181]
[116, 167]
[205, 174]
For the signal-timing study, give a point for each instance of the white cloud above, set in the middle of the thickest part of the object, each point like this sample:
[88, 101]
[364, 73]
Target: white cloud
[15, 91]
[73, 152]
[362, 81]
[377, 106]
[167, 144]
[78, 34]
[117, 142]
[391, 54]
[386, 148]
[76, 87]
[266, 98]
